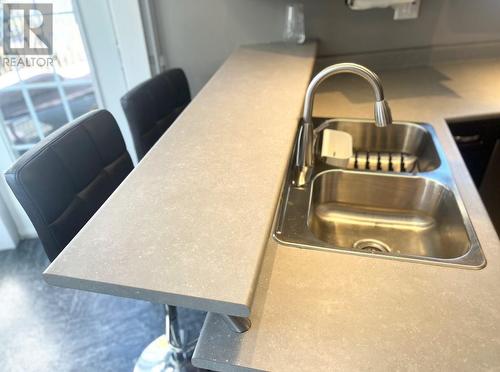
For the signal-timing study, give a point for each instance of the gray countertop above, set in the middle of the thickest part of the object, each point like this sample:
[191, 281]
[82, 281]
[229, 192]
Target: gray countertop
[316, 310]
[189, 225]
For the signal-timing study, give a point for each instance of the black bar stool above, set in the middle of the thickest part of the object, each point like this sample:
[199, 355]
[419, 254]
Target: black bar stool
[62, 181]
[152, 107]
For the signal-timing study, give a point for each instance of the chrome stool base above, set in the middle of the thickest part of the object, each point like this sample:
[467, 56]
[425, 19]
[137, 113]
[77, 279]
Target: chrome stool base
[170, 352]
[160, 356]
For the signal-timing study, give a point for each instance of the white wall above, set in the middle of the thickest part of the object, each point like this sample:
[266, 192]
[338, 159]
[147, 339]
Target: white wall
[198, 35]
[9, 236]
[114, 39]
[14, 223]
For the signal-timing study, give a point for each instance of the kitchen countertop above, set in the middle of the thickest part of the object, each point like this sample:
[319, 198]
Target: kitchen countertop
[189, 225]
[316, 310]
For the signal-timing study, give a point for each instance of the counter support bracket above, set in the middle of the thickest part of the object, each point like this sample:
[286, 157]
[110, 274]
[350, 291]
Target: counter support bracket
[236, 323]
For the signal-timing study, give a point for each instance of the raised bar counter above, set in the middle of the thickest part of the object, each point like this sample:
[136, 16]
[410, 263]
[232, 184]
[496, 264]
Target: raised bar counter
[189, 225]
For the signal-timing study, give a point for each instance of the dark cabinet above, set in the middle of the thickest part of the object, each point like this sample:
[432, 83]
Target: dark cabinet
[479, 143]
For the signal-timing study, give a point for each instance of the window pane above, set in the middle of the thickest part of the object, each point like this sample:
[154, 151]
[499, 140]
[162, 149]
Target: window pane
[61, 6]
[71, 60]
[57, 91]
[81, 99]
[38, 69]
[17, 120]
[49, 108]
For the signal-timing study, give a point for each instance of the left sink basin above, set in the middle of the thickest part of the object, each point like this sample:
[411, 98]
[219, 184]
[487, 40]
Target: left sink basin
[415, 217]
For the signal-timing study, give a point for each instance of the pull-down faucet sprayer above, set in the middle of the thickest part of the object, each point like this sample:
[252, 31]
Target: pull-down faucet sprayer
[305, 149]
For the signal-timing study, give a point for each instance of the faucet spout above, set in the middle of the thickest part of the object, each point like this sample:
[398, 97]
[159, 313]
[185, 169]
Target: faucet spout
[383, 116]
[305, 144]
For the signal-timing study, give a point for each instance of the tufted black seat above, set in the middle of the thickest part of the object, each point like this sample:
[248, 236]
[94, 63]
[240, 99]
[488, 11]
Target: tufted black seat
[152, 106]
[65, 178]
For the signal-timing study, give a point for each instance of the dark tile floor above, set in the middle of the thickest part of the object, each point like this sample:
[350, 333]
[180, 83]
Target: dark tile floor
[45, 328]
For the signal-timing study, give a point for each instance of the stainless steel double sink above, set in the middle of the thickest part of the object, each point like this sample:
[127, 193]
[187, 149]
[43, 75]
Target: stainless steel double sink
[417, 216]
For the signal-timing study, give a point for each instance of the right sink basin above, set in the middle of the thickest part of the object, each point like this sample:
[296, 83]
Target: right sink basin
[410, 216]
[416, 216]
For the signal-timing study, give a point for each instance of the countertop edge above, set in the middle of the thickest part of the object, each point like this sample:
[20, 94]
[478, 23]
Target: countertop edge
[148, 295]
[212, 364]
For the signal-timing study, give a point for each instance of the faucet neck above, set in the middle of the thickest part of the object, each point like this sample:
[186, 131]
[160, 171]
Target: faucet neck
[340, 68]
[305, 144]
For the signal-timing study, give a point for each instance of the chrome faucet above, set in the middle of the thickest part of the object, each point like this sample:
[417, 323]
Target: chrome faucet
[305, 145]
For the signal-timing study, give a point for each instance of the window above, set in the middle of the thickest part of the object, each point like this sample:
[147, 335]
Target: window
[35, 101]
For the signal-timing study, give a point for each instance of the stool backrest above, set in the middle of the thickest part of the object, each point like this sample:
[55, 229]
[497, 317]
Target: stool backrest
[152, 107]
[64, 179]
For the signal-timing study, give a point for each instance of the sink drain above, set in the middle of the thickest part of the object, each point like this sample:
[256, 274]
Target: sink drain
[371, 246]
